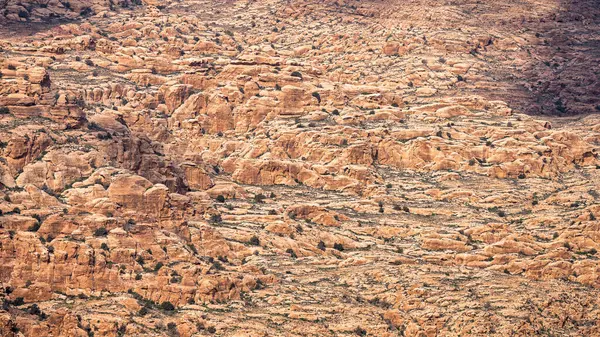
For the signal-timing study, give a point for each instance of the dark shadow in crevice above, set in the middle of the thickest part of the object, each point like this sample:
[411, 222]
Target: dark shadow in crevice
[565, 80]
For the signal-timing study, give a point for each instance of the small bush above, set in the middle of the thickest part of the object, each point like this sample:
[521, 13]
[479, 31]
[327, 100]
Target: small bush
[89, 62]
[34, 228]
[291, 252]
[18, 301]
[338, 246]
[158, 266]
[220, 198]
[104, 246]
[254, 240]
[167, 306]
[317, 96]
[86, 11]
[4, 110]
[101, 232]
[34, 309]
[360, 331]
[321, 245]
[259, 198]
[217, 265]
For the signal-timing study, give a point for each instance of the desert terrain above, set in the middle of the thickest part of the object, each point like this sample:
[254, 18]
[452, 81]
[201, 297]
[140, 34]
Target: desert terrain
[299, 168]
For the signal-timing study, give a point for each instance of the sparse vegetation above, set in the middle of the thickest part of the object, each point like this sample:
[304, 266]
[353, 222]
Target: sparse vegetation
[254, 241]
[321, 245]
[35, 227]
[291, 252]
[101, 232]
[167, 306]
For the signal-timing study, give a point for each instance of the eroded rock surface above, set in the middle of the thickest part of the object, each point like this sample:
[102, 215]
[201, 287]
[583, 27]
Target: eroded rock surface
[299, 168]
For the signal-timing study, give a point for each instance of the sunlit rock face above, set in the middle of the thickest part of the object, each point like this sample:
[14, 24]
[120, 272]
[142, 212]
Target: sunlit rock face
[296, 168]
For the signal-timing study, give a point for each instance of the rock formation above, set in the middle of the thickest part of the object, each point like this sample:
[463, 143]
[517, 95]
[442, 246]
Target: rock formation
[299, 168]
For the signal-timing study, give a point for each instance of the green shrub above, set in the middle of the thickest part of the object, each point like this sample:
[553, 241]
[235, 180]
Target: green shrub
[291, 252]
[101, 232]
[35, 227]
[167, 306]
[259, 198]
[317, 96]
[254, 240]
[321, 245]
[18, 301]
